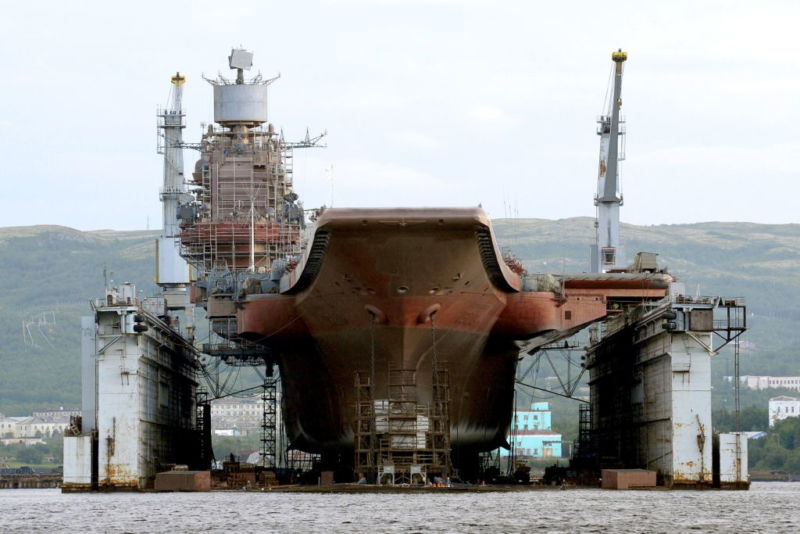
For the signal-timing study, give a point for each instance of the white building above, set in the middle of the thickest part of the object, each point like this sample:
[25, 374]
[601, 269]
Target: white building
[236, 416]
[768, 382]
[60, 413]
[782, 407]
[248, 408]
[37, 425]
[9, 426]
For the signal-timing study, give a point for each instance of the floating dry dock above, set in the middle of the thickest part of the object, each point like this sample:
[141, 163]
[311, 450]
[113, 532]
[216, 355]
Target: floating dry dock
[139, 390]
[650, 384]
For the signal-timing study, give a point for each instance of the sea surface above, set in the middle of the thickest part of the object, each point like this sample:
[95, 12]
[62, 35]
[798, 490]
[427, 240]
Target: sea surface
[767, 507]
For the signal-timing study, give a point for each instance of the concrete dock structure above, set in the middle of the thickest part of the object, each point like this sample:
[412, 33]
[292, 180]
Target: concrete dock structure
[139, 386]
[650, 383]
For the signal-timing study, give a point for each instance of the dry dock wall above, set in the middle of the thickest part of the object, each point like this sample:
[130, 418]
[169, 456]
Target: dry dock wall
[651, 401]
[139, 409]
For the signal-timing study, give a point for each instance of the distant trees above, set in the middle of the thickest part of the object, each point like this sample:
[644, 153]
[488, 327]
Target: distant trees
[224, 446]
[52, 450]
[30, 455]
[779, 450]
[753, 418]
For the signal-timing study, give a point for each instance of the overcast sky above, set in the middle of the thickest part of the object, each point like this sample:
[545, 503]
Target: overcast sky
[427, 103]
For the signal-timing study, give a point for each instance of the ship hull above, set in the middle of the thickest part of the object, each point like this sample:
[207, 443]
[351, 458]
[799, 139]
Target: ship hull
[392, 289]
[382, 290]
[319, 393]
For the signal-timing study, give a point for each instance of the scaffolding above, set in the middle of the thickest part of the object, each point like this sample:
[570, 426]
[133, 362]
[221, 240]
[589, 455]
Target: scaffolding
[399, 440]
[440, 422]
[269, 398]
[203, 428]
[300, 461]
[364, 432]
[245, 214]
[584, 457]
[227, 344]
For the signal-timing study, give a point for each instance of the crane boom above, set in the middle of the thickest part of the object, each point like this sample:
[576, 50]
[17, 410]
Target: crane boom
[607, 252]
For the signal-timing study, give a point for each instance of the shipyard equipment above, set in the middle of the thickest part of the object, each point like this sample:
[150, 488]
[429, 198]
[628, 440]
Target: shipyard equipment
[607, 252]
[242, 225]
[649, 362]
[172, 271]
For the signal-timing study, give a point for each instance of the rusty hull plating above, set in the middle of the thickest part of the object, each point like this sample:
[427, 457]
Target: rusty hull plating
[397, 279]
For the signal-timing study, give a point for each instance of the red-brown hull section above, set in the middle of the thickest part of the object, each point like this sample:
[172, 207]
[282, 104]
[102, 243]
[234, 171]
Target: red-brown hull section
[403, 287]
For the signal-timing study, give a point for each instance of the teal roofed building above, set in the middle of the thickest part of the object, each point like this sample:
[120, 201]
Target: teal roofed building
[531, 434]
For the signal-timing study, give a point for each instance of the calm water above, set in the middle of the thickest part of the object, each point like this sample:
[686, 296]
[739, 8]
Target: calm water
[767, 507]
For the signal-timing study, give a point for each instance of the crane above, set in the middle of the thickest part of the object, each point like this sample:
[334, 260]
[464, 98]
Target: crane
[607, 252]
[172, 273]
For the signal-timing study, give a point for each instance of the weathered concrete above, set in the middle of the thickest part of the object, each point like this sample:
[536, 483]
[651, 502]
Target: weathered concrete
[139, 398]
[650, 381]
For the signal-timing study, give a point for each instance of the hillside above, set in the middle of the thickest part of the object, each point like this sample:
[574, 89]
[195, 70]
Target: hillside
[49, 273]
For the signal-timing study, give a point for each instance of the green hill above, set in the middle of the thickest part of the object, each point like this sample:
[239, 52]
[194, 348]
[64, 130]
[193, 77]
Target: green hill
[49, 273]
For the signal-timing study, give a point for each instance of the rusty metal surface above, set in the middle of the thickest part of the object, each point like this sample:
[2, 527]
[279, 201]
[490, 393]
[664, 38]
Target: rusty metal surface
[31, 481]
[615, 280]
[691, 410]
[378, 278]
[733, 468]
[77, 460]
[376, 225]
[183, 481]
[651, 398]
